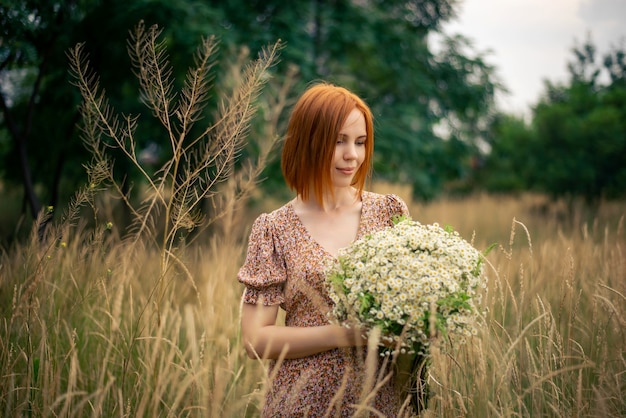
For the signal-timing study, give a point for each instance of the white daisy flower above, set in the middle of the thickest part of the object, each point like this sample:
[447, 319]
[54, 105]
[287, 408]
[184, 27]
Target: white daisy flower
[397, 278]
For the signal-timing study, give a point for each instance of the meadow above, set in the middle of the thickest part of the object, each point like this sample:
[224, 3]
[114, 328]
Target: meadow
[92, 325]
[135, 312]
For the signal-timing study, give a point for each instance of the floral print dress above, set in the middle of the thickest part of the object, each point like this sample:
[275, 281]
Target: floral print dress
[285, 266]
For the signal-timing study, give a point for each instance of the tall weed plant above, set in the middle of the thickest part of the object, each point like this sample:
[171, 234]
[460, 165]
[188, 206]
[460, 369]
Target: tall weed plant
[97, 322]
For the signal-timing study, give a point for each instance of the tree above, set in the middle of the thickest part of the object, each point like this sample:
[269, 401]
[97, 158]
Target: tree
[581, 128]
[29, 54]
[381, 50]
[511, 161]
[575, 144]
[40, 107]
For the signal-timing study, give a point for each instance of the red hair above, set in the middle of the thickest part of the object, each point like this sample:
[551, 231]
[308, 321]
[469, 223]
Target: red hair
[313, 130]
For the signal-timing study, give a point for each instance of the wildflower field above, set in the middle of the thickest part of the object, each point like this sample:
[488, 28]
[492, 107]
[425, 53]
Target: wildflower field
[91, 326]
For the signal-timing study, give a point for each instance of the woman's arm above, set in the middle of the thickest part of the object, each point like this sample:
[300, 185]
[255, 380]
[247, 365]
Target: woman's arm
[263, 338]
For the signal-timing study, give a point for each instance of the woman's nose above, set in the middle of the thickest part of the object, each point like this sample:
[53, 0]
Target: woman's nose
[350, 152]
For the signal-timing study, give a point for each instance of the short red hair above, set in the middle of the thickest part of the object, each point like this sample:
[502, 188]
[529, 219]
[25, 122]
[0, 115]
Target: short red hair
[313, 130]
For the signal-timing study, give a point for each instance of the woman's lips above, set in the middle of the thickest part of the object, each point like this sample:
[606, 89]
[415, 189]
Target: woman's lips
[346, 171]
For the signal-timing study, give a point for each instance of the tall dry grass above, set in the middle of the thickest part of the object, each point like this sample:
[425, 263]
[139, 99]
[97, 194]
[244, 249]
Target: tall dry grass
[554, 340]
[100, 322]
[81, 337]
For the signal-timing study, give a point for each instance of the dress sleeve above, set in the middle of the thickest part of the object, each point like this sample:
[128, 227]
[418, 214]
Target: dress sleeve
[397, 206]
[263, 272]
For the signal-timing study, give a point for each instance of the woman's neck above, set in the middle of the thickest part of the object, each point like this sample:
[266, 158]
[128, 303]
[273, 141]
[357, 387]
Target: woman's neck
[341, 199]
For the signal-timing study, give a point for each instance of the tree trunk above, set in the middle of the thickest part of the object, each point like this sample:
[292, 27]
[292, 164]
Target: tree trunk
[20, 145]
[29, 190]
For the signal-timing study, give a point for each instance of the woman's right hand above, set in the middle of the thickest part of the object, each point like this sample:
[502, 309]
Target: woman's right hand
[354, 336]
[264, 339]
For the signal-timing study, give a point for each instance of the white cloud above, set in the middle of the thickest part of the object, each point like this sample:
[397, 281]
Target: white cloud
[606, 20]
[531, 40]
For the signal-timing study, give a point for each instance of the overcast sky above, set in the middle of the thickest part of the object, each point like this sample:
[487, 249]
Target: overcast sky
[531, 40]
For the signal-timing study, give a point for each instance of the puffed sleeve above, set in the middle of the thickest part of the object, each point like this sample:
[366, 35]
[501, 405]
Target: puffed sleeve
[263, 271]
[396, 206]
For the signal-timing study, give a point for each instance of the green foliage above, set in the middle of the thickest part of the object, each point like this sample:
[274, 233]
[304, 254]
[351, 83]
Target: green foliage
[396, 219]
[37, 107]
[575, 144]
[512, 161]
[377, 48]
[583, 139]
[581, 128]
[41, 110]
[381, 51]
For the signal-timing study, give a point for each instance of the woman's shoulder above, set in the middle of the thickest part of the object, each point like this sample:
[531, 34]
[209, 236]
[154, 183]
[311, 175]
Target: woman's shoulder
[280, 214]
[274, 220]
[388, 203]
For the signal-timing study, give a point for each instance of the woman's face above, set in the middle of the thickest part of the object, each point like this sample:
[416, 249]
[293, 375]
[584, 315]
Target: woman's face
[349, 150]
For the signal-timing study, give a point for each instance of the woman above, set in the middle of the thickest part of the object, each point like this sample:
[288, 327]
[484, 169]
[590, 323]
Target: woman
[326, 160]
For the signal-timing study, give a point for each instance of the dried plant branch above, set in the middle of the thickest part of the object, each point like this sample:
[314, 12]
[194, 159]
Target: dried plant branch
[198, 165]
[211, 156]
[152, 68]
[100, 120]
[196, 89]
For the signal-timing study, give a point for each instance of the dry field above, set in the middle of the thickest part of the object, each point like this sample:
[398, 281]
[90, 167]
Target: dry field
[84, 331]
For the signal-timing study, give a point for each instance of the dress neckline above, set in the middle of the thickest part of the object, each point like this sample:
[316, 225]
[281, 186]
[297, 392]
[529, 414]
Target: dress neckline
[309, 237]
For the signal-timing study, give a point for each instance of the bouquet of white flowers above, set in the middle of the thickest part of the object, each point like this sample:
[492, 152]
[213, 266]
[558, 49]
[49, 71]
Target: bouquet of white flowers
[406, 280]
